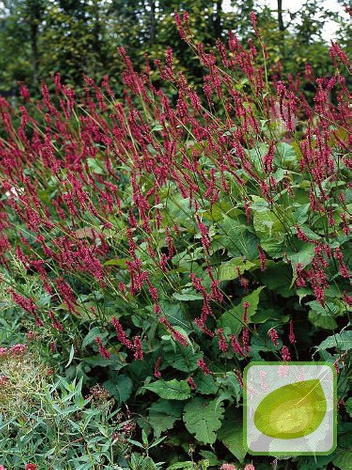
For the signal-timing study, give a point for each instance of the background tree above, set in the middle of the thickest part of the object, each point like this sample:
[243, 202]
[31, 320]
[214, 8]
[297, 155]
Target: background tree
[20, 30]
[76, 37]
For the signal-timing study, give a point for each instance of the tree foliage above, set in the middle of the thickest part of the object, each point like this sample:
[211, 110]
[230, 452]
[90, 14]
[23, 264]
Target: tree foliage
[76, 37]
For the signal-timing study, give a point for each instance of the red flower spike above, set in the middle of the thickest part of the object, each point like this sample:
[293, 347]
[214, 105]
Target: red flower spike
[202, 365]
[273, 336]
[191, 383]
[102, 350]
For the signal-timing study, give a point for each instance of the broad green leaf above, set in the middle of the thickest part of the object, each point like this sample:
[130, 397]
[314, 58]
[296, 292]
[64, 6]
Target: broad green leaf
[268, 228]
[324, 317]
[256, 155]
[279, 175]
[206, 384]
[319, 320]
[217, 211]
[231, 384]
[263, 315]
[120, 388]
[212, 459]
[237, 239]
[120, 262]
[229, 270]
[285, 155]
[188, 256]
[171, 389]
[275, 248]
[163, 414]
[94, 166]
[303, 292]
[90, 337]
[115, 361]
[231, 434]
[267, 225]
[260, 344]
[232, 319]
[304, 255]
[174, 312]
[148, 464]
[309, 232]
[301, 213]
[343, 459]
[184, 358]
[292, 411]
[187, 295]
[341, 341]
[349, 406]
[278, 278]
[203, 418]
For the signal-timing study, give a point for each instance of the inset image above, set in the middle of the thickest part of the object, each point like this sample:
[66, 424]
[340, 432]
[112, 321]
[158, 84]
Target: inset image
[290, 408]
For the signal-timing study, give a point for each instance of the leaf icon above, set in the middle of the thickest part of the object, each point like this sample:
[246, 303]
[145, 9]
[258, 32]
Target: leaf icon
[292, 411]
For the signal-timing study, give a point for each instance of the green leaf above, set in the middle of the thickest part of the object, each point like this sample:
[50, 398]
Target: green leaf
[114, 361]
[148, 464]
[324, 321]
[343, 459]
[174, 312]
[163, 414]
[231, 435]
[256, 154]
[72, 353]
[230, 381]
[285, 155]
[310, 234]
[341, 341]
[264, 315]
[229, 270]
[268, 228]
[211, 458]
[187, 295]
[184, 358]
[203, 418]
[304, 256]
[186, 465]
[277, 277]
[206, 384]
[232, 319]
[275, 248]
[170, 390]
[90, 337]
[94, 166]
[120, 262]
[323, 317]
[302, 292]
[301, 213]
[120, 388]
[266, 224]
[349, 406]
[237, 239]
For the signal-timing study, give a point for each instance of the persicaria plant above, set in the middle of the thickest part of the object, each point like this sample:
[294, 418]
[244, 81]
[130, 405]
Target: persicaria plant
[164, 239]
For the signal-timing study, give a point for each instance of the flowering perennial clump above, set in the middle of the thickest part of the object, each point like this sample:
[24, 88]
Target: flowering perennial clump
[180, 232]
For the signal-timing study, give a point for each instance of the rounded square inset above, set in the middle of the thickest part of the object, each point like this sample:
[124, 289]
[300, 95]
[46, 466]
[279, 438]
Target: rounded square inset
[290, 408]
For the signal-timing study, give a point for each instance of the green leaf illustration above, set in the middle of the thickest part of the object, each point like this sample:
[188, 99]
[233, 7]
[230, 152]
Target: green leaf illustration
[294, 410]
